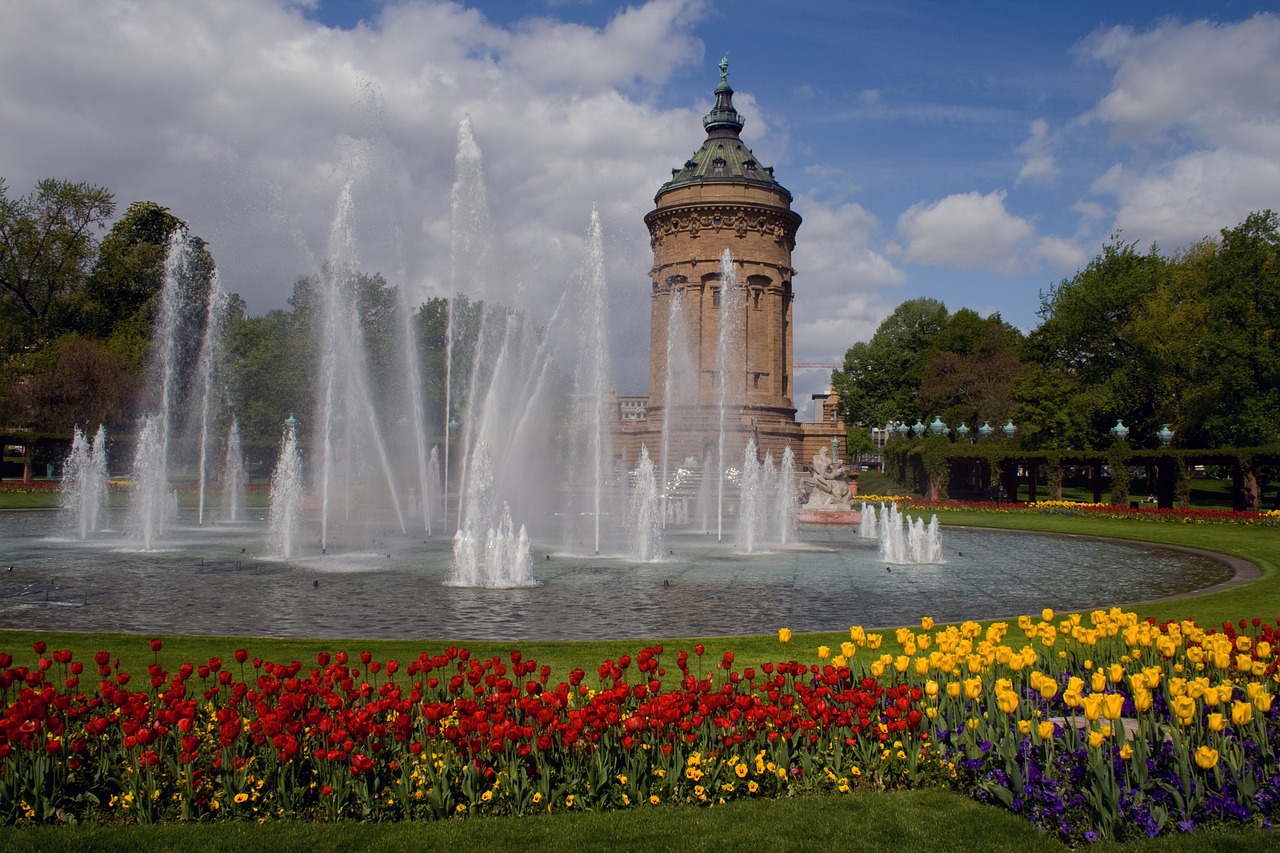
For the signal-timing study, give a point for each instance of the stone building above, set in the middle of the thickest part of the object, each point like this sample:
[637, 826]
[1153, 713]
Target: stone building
[720, 339]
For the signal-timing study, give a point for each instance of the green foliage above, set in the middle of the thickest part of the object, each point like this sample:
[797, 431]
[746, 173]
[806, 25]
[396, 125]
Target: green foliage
[881, 377]
[46, 248]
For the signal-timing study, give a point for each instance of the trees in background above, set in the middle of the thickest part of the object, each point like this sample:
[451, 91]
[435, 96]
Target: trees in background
[1191, 340]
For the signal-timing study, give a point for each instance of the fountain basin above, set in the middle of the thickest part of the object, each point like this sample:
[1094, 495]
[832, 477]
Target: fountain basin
[377, 583]
[828, 516]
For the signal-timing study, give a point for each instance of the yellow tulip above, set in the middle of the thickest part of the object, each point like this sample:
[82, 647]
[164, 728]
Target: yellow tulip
[1216, 722]
[784, 635]
[1183, 708]
[857, 634]
[901, 663]
[847, 649]
[1046, 615]
[1045, 730]
[1095, 739]
[1263, 649]
[926, 623]
[953, 689]
[1206, 758]
[824, 652]
[1115, 672]
[1241, 713]
[1008, 701]
[1142, 700]
[931, 688]
[1126, 752]
[922, 666]
[1262, 701]
[1098, 682]
[972, 688]
[1092, 706]
[873, 641]
[1243, 643]
[1113, 705]
[1024, 727]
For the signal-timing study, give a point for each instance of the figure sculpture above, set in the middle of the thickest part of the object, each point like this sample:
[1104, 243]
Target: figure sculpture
[827, 487]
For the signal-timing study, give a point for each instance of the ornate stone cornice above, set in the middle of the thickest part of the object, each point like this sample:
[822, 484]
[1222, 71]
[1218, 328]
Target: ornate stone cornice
[741, 219]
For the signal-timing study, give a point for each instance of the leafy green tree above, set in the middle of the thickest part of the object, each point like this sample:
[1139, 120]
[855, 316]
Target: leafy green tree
[120, 297]
[46, 248]
[972, 369]
[881, 377]
[1090, 334]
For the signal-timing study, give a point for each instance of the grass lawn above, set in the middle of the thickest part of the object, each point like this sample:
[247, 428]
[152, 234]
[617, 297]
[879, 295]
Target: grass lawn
[925, 819]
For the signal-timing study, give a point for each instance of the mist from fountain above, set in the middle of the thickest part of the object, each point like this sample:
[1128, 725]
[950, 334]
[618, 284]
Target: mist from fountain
[233, 476]
[729, 360]
[84, 481]
[488, 550]
[704, 493]
[751, 500]
[644, 514]
[907, 542]
[287, 490]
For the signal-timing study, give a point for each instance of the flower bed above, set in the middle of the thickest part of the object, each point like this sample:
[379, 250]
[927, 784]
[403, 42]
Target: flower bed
[1093, 726]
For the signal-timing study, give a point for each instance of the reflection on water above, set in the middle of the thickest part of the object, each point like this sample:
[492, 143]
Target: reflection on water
[373, 583]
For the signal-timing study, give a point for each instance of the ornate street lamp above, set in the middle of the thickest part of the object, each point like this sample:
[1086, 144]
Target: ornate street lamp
[1008, 429]
[1120, 431]
[986, 430]
[938, 427]
[962, 431]
[901, 429]
[918, 428]
[835, 447]
[1165, 435]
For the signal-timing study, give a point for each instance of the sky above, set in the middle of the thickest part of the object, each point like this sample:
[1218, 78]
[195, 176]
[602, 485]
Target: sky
[976, 153]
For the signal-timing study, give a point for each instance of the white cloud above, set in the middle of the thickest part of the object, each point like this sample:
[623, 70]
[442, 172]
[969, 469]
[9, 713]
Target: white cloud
[1059, 254]
[1040, 165]
[245, 118]
[966, 230]
[1198, 106]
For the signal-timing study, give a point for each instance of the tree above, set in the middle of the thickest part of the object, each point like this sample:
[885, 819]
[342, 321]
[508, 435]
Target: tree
[46, 248]
[1090, 333]
[119, 299]
[881, 377]
[973, 366]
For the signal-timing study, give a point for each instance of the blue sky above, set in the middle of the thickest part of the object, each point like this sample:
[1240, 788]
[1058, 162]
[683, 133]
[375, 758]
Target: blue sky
[976, 153]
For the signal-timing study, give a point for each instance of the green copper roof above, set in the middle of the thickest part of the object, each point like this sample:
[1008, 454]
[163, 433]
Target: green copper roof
[723, 157]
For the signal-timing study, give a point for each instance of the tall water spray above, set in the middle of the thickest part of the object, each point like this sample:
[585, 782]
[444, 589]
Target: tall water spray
[286, 494]
[751, 499]
[468, 262]
[787, 496]
[346, 411]
[210, 355]
[84, 481]
[730, 370]
[679, 386]
[149, 506]
[233, 476]
[645, 512]
[595, 367]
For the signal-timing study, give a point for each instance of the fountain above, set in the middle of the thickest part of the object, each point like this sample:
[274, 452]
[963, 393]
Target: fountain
[905, 541]
[84, 481]
[728, 354]
[644, 513]
[286, 494]
[233, 476]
